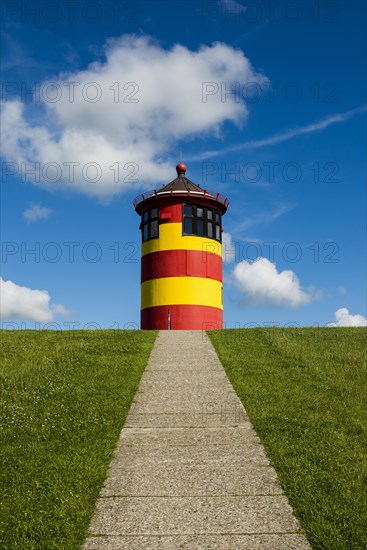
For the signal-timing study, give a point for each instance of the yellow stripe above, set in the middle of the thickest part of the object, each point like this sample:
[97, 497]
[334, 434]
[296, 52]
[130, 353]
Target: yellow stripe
[196, 291]
[171, 238]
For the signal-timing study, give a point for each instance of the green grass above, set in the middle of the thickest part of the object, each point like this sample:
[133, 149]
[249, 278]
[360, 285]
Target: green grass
[65, 396]
[305, 391]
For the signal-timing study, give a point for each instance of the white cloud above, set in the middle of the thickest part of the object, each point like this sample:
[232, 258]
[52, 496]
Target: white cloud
[20, 302]
[228, 248]
[62, 310]
[232, 7]
[342, 290]
[134, 130]
[286, 135]
[261, 283]
[36, 212]
[263, 217]
[345, 319]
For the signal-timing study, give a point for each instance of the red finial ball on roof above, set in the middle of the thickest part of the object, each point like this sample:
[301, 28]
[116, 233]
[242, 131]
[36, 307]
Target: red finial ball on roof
[181, 168]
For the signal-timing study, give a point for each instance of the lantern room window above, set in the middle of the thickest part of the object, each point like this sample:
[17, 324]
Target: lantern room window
[149, 225]
[202, 222]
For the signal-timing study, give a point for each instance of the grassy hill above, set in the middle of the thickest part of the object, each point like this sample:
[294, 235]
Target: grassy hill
[65, 397]
[305, 391]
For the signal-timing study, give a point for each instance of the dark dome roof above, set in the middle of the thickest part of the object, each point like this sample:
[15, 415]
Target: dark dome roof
[181, 185]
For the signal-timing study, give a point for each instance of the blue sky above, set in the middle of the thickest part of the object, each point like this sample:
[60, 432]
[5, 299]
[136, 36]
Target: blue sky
[268, 101]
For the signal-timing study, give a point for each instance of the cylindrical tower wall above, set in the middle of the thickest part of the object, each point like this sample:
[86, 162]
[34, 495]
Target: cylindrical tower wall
[181, 275]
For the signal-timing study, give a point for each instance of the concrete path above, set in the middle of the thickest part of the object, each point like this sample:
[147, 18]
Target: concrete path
[189, 470]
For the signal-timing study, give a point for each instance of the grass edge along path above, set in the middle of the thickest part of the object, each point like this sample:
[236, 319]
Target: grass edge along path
[65, 397]
[305, 392]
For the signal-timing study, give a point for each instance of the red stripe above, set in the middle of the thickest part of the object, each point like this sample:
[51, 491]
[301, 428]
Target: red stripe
[174, 211]
[170, 210]
[172, 206]
[181, 263]
[183, 317]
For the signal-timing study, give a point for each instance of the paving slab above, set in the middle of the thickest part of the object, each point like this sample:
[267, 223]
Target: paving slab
[192, 379]
[181, 479]
[181, 420]
[283, 541]
[217, 404]
[189, 471]
[140, 454]
[207, 435]
[187, 515]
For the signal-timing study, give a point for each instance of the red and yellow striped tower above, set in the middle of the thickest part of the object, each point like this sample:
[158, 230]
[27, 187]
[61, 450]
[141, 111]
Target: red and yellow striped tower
[181, 257]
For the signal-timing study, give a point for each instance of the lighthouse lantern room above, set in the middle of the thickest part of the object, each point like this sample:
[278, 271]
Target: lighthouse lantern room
[181, 256]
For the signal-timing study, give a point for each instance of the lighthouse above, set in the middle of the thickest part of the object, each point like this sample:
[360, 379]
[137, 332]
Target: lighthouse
[181, 256]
